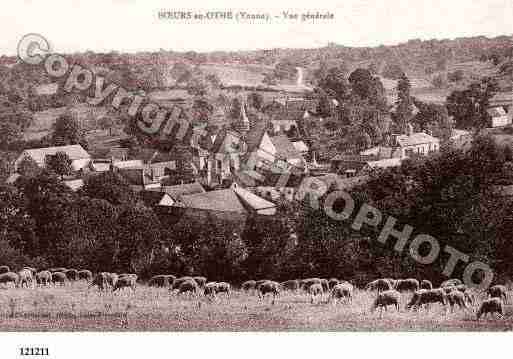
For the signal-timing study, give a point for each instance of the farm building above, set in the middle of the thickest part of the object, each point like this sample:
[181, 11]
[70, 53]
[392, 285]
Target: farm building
[78, 156]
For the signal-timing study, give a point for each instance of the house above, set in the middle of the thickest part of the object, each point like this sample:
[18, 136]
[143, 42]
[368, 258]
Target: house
[153, 198]
[235, 200]
[74, 184]
[301, 147]
[357, 165]
[277, 150]
[253, 202]
[498, 117]
[381, 164]
[178, 191]
[79, 157]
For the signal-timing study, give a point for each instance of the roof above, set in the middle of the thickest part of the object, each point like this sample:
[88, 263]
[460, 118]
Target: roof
[152, 198]
[12, 178]
[224, 200]
[341, 183]
[254, 136]
[182, 190]
[416, 139]
[284, 148]
[252, 200]
[496, 112]
[129, 164]
[385, 163]
[300, 146]
[74, 152]
[227, 142]
[74, 185]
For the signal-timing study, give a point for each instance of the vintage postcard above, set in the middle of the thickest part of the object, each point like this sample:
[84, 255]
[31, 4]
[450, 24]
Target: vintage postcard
[328, 166]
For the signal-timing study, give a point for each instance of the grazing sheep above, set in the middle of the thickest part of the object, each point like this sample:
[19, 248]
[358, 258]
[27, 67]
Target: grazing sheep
[249, 285]
[386, 298]
[25, 278]
[59, 277]
[100, 281]
[342, 291]
[58, 269]
[201, 281]
[269, 287]
[9, 277]
[391, 281]
[379, 284]
[72, 274]
[44, 278]
[292, 285]
[188, 286]
[85, 274]
[427, 296]
[32, 269]
[112, 278]
[223, 287]
[498, 291]
[307, 283]
[127, 281]
[492, 305]
[470, 298]
[451, 283]
[409, 284]
[160, 280]
[178, 282]
[210, 289]
[426, 284]
[261, 281]
[325, 285]
[332, 282]
[315, 290]
[456, 297]
[4, 269]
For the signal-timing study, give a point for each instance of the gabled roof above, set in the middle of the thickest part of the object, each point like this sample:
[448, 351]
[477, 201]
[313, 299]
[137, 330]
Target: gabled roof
[152, 198]
[300, 146]
[254, 136]
[416, 139]
[74, 185]
[496, 112]
[252, 200]
[225, 141]
[385, 163]
[74, 152]
[180, 190]
[224, 200]
[284, 148]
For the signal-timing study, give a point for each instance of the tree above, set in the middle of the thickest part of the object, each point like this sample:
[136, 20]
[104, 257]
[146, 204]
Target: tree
[67, 131]
[106, 123]
[334, 83]
[10, 135]
[455, 76]
[109, 186]
[393, 72]
[433, 118]
[27, 167]
[138, 236]
[235, 109]
[60, 164]
[404, 104]
[255, 100]
[469, 106]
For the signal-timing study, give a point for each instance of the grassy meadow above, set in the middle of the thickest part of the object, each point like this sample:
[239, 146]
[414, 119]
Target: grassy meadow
[75, 308]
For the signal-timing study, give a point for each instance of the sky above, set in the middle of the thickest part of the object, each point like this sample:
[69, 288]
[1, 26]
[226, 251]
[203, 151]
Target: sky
[133, 25]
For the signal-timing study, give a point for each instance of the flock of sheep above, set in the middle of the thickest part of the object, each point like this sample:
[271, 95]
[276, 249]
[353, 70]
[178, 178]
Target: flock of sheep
[388, 291]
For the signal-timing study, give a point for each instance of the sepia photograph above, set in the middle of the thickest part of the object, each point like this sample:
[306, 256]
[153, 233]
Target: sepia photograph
[185, 167]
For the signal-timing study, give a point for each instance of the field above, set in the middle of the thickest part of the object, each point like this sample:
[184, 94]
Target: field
[74, 308]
